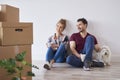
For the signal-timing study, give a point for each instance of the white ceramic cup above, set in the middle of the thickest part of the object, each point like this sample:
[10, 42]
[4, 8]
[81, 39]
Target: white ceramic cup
[82, 57]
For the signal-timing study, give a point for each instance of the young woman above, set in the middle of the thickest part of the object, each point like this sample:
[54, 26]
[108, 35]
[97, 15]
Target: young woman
[57, 46]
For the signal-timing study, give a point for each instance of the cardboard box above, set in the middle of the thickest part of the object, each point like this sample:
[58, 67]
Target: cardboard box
[1, 16]
[9, 13]
[16, 33]
[10, 52]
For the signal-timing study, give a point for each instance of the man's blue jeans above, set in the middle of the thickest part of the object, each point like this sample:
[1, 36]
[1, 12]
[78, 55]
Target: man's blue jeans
[58, 55]
[88, 49]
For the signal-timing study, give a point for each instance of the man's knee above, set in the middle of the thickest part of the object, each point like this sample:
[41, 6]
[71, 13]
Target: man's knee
[90, 38]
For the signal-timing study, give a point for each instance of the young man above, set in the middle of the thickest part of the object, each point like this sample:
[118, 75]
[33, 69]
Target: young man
[82, 45]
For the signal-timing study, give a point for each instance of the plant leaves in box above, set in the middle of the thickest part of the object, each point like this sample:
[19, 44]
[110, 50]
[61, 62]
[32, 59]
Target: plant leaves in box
[16, 65]
[20, 56]
[19, 68]
[15, 78]
[29, 73]
[11, 71]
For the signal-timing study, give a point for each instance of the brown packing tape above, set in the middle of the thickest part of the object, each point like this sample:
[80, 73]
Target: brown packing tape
[0, 8]
[16, 49]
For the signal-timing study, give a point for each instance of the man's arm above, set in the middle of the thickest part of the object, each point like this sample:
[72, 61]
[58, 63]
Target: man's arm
[72, 47]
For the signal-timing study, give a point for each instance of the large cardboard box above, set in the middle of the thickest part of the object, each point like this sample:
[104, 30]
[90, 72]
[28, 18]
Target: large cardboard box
[9, 13]
[16, 33]
[10, 52]
[1, 16]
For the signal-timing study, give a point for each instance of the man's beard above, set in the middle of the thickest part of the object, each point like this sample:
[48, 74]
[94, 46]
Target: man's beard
[80, 29]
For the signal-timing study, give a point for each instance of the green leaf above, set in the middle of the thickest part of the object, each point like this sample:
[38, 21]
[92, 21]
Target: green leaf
[12, 62]
[29, 73]
[11, 71]
[19, 68]
[9, 65]
[20, 57]
[12, 66]
[34, 66]
[15, 78]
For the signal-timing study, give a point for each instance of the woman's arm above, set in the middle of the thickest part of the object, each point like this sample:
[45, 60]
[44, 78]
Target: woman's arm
[51, 44]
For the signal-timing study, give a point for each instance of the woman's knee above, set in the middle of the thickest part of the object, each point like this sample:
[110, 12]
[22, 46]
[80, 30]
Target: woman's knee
[50, 49]
[62, 45]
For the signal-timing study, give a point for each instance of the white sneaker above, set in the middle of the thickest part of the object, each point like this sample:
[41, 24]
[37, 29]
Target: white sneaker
[86, 69]
[87, 65]
[47, 66]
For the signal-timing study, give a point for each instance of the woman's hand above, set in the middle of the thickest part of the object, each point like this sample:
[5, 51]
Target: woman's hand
[54, 46]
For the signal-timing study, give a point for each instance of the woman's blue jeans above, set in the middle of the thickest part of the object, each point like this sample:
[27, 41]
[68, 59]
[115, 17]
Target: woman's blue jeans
[58, 55]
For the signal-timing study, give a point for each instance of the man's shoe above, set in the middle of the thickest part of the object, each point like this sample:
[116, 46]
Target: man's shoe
[97, 64]
[86, 69]
[87, 65]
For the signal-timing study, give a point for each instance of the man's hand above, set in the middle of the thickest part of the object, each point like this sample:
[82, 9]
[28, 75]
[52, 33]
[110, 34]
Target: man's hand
[97, 48]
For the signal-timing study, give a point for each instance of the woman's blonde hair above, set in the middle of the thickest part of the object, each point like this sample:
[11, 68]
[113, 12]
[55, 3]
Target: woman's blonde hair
[63, 22]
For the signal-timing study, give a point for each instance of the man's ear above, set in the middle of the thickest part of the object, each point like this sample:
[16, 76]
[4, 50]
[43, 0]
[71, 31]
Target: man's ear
[86, 25]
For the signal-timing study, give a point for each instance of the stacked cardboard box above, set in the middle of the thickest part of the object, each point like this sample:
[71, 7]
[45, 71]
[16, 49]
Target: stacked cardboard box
[15, 36]
[16, 33]
[9, 13]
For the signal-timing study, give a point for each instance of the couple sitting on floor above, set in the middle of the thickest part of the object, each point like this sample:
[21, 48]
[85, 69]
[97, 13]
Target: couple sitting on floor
[82, 45]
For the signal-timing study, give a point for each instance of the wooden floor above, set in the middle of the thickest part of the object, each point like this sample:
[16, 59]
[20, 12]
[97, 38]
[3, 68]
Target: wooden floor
[63, 71]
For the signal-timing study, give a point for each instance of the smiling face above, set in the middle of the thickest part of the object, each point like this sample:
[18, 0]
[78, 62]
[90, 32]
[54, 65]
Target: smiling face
[81, 26]
[60, 27]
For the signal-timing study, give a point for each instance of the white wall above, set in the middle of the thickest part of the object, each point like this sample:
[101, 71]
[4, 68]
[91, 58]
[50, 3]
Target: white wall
[103, 17]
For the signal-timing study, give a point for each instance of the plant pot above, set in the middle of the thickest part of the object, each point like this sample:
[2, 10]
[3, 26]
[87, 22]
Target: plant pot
[23, 78]
[17, 78]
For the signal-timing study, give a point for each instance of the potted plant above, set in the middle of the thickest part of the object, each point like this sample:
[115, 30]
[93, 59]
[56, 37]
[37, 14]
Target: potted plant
[16, 66]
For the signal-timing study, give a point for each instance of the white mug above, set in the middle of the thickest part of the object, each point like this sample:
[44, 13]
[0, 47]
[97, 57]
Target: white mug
[82, 57]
